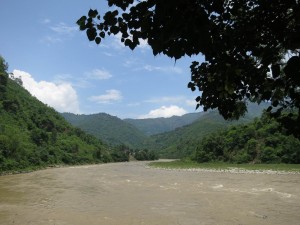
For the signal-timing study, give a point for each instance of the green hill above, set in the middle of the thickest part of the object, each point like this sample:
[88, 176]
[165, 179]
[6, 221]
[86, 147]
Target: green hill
[110, 129]
[184, 132]
[183, 141]
[161, 125]
[34, 135]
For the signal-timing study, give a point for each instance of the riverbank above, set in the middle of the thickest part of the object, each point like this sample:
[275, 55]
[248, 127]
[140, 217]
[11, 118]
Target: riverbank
[181, 165]
[220, 167]
[37, 168]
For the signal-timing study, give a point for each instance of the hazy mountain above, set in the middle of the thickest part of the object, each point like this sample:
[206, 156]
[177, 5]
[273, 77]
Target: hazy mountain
[183, 140]
[161, 125]
[183, 131]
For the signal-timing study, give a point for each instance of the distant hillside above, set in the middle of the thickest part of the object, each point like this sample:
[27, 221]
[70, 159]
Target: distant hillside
[108, 128]
[34, 135]
[182, 141]
[134, 133]
[161, 125]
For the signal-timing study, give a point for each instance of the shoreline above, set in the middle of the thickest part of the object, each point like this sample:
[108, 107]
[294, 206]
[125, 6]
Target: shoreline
[232, 171]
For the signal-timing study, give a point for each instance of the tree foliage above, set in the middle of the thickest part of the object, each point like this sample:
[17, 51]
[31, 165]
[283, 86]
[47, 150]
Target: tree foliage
[262, 141]
[33, 135]
[251, 47]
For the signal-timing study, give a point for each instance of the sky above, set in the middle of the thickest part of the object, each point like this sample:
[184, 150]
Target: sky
[58, 64]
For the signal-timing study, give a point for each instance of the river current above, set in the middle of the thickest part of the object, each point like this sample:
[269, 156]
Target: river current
[131, 194]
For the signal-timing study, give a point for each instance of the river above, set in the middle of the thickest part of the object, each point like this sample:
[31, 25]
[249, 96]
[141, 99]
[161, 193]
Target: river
[131, 194]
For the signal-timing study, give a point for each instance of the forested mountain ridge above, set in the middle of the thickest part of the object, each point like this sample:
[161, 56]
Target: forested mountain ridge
[179, 142]
[131, 132]
[33, 134]
[183, 141]
[110, 129]
[160, 125]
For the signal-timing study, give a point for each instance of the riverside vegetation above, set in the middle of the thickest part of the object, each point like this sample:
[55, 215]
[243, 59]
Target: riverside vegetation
[185, 164]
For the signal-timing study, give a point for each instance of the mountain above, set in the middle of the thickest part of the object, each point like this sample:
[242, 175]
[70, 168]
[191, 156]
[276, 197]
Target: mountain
[183, 134]
[161, 125]
[35, 135]
[182, 141]
[110, 129]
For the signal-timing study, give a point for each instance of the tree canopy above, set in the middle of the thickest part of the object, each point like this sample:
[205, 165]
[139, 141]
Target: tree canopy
[251, 47]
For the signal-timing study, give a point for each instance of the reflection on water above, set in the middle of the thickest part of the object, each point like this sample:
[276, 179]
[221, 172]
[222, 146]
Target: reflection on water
[130, 193]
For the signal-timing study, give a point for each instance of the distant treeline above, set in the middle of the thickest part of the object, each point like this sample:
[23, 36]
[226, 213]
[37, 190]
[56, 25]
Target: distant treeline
[124, 153]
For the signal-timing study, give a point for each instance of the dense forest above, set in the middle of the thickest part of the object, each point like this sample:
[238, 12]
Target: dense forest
[35, 135]
[160, 125]
[110, 129]
[262, 141]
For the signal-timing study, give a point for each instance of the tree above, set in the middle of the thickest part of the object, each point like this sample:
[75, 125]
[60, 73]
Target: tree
[3, 77]
[251, 47]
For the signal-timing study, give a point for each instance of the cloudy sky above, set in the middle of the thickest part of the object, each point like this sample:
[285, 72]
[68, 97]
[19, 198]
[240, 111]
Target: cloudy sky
[42, 45]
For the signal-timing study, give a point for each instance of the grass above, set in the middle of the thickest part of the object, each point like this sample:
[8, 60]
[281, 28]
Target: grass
[184, 164]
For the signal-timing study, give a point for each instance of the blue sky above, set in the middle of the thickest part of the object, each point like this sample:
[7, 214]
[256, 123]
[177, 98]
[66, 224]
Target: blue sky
[43, 45]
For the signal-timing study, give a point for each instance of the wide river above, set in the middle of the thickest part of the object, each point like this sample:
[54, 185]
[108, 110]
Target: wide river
[131, 193]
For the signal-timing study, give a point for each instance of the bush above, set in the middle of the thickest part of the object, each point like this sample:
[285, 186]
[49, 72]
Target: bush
[268, 155]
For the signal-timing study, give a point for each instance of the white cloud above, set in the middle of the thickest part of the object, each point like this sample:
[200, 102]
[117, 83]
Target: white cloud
[165, 69]
[46, 20]
[191, 102]
[61, 32]
[118, 44]
[115, 42]
[63, 28]
[173, 100]
[143, 44]
[62, 96]
[110, 96]
[166, 99]
[98, 74]
[164, 111]
[109, 54]
[51, 40]
[132, 62]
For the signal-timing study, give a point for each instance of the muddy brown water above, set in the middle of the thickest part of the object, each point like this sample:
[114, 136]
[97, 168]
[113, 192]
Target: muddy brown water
[131, 193]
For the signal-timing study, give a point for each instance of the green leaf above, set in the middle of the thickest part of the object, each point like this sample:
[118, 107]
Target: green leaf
[82, 27]
[114, 30]
[275, 70]
[102, 34]
[93, 13]
[129, 43]
[91, 34]
[97, 40]
[81, 21]
[269, 109]
[191, 86]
